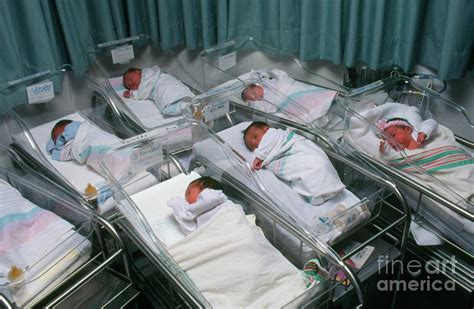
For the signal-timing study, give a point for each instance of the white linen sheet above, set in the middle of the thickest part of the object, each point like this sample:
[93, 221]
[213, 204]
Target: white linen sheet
[217, 273]
[269, 281]
[233, 265]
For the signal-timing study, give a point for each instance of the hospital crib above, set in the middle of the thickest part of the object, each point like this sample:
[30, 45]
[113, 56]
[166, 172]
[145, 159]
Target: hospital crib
[435, 210]
[111, 59]
[59, 249]
[149, 224]
[228, 120]
[27, 128]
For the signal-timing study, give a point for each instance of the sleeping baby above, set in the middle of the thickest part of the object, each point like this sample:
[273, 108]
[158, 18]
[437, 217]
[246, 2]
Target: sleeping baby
[203, 199]
[258, 98]
[404, 135]
[420, 147]
[169, 94]
[294, 159]
[72, 140]
[228, 258]
[277, 91]
[76, 141]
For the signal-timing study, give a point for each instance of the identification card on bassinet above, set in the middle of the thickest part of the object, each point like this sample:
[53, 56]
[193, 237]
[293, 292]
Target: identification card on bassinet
[41, 92]
[215, 110]
[122, 54]
[227, 61]
[146, 156]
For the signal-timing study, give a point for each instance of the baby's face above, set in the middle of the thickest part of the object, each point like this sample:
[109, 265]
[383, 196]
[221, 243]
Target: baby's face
[57, 131]
[253, 93]
[254, 136]
[132, 80]
[192, 193]
[400, 134]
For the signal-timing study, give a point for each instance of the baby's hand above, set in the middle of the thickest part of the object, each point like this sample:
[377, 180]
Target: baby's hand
[257, 164]
[421, 138]
[126, 93]
[382, 145]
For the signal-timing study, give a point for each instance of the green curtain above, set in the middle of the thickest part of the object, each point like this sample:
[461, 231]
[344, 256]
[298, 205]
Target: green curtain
[437, 33]
[32, 43]
[42, 34]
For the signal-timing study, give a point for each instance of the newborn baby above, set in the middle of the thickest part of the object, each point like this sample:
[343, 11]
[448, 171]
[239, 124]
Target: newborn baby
[169, 94]
[295, 159]
[62, 133]
[202, 200]
[404, 135]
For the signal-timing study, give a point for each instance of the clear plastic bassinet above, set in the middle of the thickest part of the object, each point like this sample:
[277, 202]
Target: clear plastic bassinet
[112, 59]
[51, 246]
[27, 130]
[149, 223]
[436, 177]
[299, 93]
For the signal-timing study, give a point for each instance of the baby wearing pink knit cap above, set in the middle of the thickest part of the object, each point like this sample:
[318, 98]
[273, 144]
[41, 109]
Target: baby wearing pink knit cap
[402, 135]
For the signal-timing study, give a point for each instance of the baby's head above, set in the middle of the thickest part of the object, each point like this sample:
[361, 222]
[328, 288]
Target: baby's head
[253, 92]
[254, 134]
[198, 185]
[400, 130]
[132, 78]
[59, 128]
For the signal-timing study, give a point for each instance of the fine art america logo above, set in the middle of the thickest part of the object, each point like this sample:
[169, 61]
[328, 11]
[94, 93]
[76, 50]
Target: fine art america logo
[421, 274]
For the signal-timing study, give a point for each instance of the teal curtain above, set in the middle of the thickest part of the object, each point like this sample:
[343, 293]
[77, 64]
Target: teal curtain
[42, 34]
[437, 33]
[32, 42]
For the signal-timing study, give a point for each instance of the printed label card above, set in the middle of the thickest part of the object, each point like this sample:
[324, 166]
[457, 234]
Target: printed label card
[227, 61]
[41, 92]
[122, 54]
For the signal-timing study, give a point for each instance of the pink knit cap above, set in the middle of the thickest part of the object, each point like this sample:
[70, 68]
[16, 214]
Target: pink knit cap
[384, 124]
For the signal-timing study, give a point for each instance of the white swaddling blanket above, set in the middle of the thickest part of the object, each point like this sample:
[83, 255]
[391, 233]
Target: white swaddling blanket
[296, 99]
[163, 89]
[305, 101]
[36, 240]
[86, 148]
[234, 266]
[144, 110]
[191, 216]
[449, 169]
[301, 162]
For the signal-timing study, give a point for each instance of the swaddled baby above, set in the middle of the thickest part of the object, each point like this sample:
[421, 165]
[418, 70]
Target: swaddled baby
[404, 134]
[168, 93]
[70, 140]
[76, 141]
[203, 198]
[62, 134]
[295, 159]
